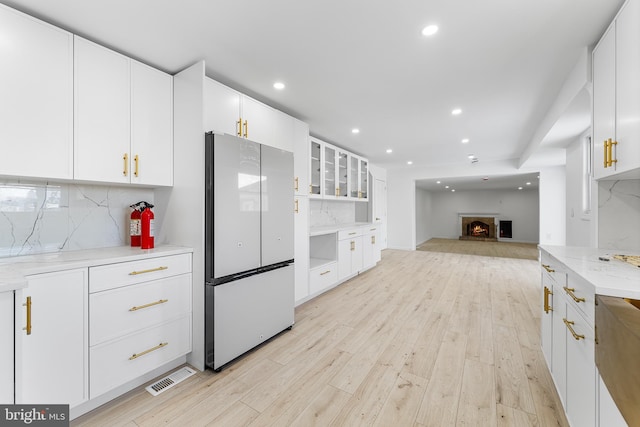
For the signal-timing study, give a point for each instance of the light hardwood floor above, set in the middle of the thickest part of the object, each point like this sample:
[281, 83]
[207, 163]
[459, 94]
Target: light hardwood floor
[423, 339]
[473, 247]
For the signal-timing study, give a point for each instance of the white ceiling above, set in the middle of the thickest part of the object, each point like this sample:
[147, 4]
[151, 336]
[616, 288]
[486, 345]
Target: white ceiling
[365, 64]
[524, 182]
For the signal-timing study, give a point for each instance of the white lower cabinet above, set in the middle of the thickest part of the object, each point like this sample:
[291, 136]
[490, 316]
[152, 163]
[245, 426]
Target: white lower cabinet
[51, 339]
[349, 253]
[370, 247]
[323, 277]
[608, 413]
[6, 349]
[140, 318]
[301, 247]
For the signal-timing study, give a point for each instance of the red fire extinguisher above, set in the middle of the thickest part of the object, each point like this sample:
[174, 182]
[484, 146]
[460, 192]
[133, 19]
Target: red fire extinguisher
[134, 225]
[147, 227]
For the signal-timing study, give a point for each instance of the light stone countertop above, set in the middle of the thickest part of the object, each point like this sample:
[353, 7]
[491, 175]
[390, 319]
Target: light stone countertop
[329, 229]
[14, 269]
[611, 278]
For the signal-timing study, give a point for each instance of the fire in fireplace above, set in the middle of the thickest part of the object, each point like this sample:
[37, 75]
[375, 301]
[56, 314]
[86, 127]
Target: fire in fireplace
[478, 228]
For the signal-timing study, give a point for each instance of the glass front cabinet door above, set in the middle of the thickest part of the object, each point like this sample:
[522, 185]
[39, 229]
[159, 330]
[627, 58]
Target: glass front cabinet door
[330, 185]
[364, 180]
[314, 169]
[342, 190]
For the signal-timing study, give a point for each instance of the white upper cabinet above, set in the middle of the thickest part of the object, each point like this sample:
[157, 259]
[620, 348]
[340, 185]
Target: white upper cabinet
[151, 126]
[221, 108]
[102, 113]
[228, 111]
[616, 95]
[36, 135]
[123, 118]
[301, 157]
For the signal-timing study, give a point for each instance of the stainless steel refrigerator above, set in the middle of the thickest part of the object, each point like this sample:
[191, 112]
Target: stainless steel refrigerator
[249, 273]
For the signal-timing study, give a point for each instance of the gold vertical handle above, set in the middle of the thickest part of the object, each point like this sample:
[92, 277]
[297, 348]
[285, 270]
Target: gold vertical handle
[28, 305]
[373, 240]
[547, 307]
[136, 160]
[125, 158]
[353, 245]
[569, 324]
[310, 188]
[605, 144]
[296, 209]
[246, 129]
[295, 183]
[611, 160]
[239, 127]
[337, 191]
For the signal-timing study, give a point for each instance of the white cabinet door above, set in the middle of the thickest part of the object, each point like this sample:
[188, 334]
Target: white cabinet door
[608, 413]
[546, 321]
[257, 121]
[316, 160]
[51, 357]
[581, 371]
[301, 157]
[282, 131]
[102, 113]
[36, 135]
[301, 245]
[151, 126]
[328, 172]
[349, 257]
[370, 247]
[221, 108]
[627, 107]
[559, 346]
[342, 174]
[6, 348]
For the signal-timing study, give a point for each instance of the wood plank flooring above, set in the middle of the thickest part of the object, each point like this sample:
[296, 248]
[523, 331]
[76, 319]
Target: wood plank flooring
[423, 339]
[473, 247]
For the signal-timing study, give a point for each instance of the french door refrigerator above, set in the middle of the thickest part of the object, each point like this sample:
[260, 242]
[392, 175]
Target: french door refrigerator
[249, 273]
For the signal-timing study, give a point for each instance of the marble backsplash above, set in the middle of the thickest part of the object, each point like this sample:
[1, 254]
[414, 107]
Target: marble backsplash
[331, 212]
[38, 217]
[619, 214]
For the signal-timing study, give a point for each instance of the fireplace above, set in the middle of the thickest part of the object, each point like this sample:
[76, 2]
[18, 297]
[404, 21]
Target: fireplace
[478, 228]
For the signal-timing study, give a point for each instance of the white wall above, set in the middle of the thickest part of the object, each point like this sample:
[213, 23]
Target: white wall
[519, 206]
[553, 206]
[578, 221]
[423, 216]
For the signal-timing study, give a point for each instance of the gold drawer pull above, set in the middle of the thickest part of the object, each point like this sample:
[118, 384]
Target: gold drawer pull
[325, 272]
[548, 268]
[28, 305]
[351, 234]
[570, 292]
[569, 323]
[295, 180]
[125, 159]
[151, 270]
[136, 355]
[547, 307]
[151, 304]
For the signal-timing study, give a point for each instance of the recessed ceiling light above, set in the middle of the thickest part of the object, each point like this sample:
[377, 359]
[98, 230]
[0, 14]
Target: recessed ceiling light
[429, 30]
[446, 186]
[466, 140]
[519, 188]
[453, 190]
[389, 150]
[278, 85]
[437, 182]
[409, 162]
[528, 183]
[355, 130]
[456, 111]
[471, 156]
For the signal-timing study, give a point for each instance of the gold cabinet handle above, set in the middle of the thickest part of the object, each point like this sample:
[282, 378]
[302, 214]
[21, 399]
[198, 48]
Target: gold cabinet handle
[125, 158]
[295, 185]
[548, 268]
[151, 304]
[151, 270]
[136, 355]
[310, 188]
[351, 234]
[570, 292]
[246, 129]
[605, 145]
[239, 127]
[28, 305]
[611, 160]
[296, 209]
[569, 324]
[373, 240]
[136, 160]
[325, 272]
[353, 245]
[547, 307]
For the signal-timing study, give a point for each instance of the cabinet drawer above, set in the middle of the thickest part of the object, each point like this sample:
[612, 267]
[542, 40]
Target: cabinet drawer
[122, 311]
[111, 276]
[348, 234]
[581, 294]
[118, 362]
[552, 270]
[322, 277]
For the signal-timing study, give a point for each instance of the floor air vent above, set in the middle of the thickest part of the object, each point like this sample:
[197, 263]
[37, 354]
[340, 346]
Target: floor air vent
[170, 380]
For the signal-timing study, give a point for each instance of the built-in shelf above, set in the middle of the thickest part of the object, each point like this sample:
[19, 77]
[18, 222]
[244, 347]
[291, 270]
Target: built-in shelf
[319, 262]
